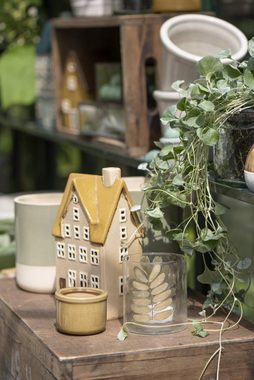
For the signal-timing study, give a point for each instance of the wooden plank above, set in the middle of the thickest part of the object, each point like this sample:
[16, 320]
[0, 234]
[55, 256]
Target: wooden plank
[29, 319]
[107, 21]
[139, 43]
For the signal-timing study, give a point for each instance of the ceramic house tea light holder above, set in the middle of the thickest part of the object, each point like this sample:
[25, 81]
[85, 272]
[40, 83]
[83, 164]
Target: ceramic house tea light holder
[81, 311]
[94, 228]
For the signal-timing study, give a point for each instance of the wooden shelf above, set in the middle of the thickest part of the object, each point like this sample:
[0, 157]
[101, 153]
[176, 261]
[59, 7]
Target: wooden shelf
[93, 148]
[29, 336]
[131, 40]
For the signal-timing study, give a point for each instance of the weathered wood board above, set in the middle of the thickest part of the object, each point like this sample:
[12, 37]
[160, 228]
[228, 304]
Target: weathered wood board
[32, 349]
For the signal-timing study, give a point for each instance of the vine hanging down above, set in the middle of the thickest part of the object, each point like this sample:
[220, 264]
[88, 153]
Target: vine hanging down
[179, 174]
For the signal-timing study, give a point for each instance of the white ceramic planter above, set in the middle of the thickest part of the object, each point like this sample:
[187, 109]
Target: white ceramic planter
[249, 180]
[35, 245]
[91, 7]
[189, 37]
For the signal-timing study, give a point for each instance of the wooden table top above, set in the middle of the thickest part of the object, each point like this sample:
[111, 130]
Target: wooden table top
[103, 356]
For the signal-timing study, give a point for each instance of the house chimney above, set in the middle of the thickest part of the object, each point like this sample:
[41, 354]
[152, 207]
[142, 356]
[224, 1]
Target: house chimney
[109, 176]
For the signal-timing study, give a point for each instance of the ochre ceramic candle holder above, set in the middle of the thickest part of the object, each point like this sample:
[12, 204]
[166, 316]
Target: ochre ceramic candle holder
[81, 311]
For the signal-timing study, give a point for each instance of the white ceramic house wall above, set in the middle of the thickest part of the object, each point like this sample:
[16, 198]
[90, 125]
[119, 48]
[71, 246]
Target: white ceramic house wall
[93, 232]
[189, 37]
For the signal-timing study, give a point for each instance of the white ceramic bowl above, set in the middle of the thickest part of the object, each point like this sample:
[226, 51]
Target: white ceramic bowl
[249, 179]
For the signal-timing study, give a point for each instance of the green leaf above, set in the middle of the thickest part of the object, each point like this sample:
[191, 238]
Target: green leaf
[223, 86]
[219, 209]
[224, 54]
[155, 213]
[123, 334]
[250, 64]
[244, 263]
[251, 47]
[249, 79]
[167, 151]
[178, 180]
[181, 105]
[169, 115]
[191, 122]
[208, 235]
[217, 288]
[208, 276]
[206, 105]
[199, 329]
[209, 136]
[209, 65]
[177, 85]
[232, 71]
[173, 232]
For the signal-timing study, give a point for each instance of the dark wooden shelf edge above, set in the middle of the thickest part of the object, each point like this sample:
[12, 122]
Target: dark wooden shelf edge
[94, 148]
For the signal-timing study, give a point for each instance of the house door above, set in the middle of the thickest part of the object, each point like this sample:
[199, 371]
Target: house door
[62, 282]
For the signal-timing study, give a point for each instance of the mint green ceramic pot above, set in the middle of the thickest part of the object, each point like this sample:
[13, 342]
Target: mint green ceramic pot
[35, 246]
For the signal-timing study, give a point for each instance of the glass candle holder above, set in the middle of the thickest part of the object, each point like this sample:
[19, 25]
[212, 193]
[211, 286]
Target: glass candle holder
[155, 293]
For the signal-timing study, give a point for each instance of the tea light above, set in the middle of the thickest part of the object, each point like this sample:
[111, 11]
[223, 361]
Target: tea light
[81, 311]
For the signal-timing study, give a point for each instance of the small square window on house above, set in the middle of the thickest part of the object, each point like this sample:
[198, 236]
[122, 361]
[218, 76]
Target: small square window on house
[75, 199]
[120, 285]
[94, 281]
[75, 212]
[60, 249]
[123, 233]
[83, 254]
[71, 252]
[72, 278]
[123, 251]
[122, 215]
[76, 232]
[86, 233]
[83, 279]
[94, 256]
[67, 230]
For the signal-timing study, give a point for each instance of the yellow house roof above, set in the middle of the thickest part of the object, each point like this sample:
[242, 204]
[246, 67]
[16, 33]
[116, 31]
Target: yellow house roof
[98, 201]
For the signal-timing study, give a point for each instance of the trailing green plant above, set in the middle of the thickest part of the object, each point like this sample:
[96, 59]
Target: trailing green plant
[179, 174]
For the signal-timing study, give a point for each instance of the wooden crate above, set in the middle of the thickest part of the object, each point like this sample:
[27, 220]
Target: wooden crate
[32, 349]
[134, 41]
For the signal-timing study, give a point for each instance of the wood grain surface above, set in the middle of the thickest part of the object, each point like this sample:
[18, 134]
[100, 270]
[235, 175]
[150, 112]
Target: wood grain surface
[32, 349]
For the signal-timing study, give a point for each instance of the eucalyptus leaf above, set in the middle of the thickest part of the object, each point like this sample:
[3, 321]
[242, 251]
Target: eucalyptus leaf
[191, 122]
[208, 276]
[123, 334]
[209, 136]
[177, 85]
[244, 263]
[209, 65]
[155, 213]
[206, 105]
[249, 79]
[251, 47]
[181, 105]
[217, 287]
[178, 180]
[232, 71]
[199, 329]
[250, 64]
[219, 209]
[226, 53]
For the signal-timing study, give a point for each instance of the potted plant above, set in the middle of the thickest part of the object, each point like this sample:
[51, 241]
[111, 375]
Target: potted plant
[179, 174]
